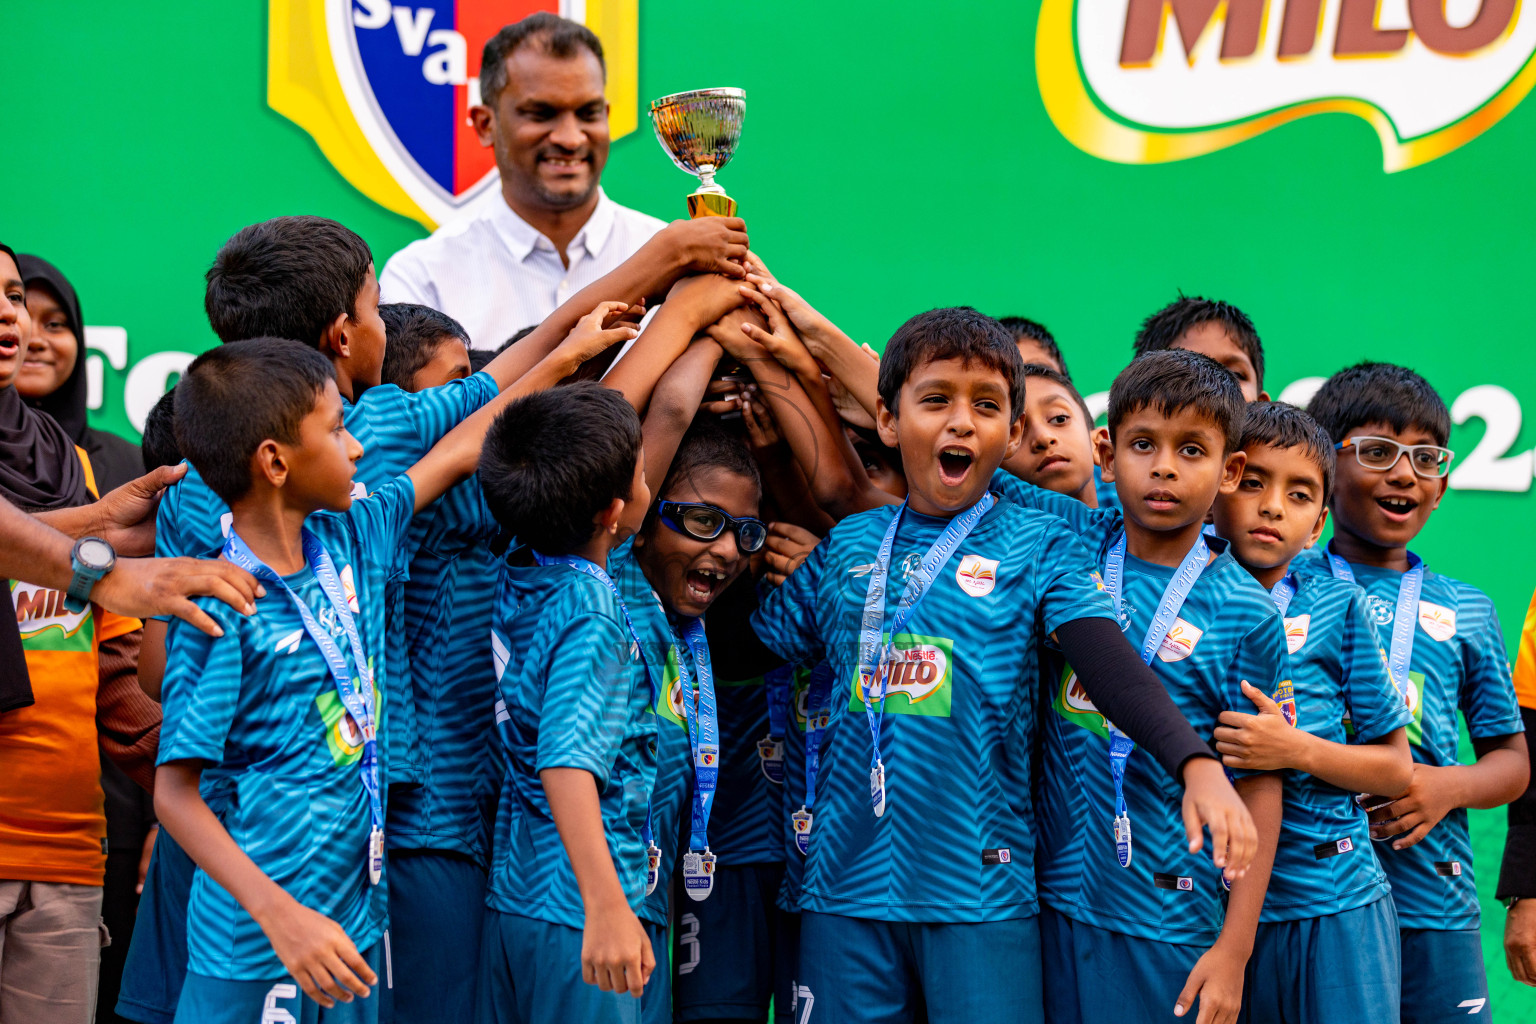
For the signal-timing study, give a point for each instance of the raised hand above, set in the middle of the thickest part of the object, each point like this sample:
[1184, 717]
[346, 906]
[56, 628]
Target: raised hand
[708, 245]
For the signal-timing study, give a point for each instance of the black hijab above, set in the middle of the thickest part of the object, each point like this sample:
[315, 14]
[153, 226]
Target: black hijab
[67, 404]
[39, 468]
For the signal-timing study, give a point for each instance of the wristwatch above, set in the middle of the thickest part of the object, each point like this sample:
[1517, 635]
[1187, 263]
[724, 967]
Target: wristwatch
[89, 560]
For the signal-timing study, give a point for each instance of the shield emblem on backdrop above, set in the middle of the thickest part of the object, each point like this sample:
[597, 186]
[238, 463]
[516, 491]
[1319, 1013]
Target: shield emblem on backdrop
[385, 89]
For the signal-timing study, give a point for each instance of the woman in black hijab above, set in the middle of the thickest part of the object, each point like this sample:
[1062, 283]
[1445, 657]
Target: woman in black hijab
[52, 375]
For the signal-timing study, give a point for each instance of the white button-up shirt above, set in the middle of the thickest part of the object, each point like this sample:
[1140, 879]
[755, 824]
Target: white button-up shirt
[495, 273]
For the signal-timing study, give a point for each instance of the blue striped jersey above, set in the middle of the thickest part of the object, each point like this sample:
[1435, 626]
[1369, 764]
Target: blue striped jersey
[744, 828]
[809, 689]
[396, 428]
[567, 697]
[1104, 490]
[956, 842]
[1227, 631]
[260, 707]
[449, 601]
[1459, 663]
[1324, 863]
[673, 786]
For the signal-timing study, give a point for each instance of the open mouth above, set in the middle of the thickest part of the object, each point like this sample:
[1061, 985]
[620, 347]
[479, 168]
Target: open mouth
[704, 583]
[10, 344]
[563, 164]
[1398, 507]
[954, 464]
[1161, 500]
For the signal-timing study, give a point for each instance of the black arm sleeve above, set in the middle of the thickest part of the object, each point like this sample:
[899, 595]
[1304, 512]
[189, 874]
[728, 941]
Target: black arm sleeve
[1129, 693]
[1517, 875]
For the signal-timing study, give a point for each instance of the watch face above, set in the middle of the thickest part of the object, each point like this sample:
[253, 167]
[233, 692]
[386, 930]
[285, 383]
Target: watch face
[96, 554]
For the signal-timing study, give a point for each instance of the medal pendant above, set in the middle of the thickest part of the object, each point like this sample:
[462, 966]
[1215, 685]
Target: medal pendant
[770, 757]
[652, 867]
[1123, 840]
[375, 856]
[802, 824]
[877, 788]
[698, 874]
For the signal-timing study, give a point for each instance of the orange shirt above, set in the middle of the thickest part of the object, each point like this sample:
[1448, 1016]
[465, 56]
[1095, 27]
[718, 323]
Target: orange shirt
[1525, 663]
[52, 826]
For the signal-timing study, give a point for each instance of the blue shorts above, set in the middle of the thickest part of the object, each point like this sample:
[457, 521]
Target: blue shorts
[656, 1003]
[1341, 966]
[1443, 976]
[1095, 975]
[156, 965]
[274, 1000]
[736, 950]
[883, 972]
[436, 903]
[530, 973]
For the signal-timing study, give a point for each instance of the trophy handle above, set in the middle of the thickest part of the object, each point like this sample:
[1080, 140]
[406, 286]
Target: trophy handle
[711, 204]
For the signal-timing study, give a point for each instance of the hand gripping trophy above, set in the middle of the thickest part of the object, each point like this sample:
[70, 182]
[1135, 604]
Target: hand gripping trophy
[700, 130]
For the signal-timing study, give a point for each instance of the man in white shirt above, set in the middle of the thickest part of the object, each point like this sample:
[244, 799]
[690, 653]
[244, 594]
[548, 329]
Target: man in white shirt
[550, 231]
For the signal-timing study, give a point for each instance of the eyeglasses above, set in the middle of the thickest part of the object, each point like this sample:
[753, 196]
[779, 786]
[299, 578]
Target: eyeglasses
[1381, 454]
[706, 522]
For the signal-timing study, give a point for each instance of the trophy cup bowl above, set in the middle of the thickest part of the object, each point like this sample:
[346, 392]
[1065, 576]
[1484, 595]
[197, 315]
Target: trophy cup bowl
[699, 130]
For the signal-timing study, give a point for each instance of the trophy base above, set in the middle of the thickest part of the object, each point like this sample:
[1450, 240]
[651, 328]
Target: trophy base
[711, 204]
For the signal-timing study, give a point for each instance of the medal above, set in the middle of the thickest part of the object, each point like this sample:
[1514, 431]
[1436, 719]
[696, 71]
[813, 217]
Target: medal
[698, 874]
[375, 856]
[652, 866]
[1123, 840]
[877, 788]
[770, 758]
[801, 821]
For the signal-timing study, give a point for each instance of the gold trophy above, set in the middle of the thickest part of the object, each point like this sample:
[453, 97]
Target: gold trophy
[699, 130]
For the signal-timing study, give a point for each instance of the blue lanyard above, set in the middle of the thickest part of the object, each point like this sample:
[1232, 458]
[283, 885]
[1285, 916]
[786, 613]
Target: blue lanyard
[1401, 653]
[356, 697]
[1282, 592]
[874, 651]
[1178, 588]
[817, 706]
[596, 572]
[698, 679]
[780, 681]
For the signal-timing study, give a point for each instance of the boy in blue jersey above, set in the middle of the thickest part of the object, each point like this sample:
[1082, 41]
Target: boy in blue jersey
[1444, 650]
[919, 888]
[1341, 732]
[564, 472]
[1058, 450]
[1134, 927]
[1212, 328]
[271, 773]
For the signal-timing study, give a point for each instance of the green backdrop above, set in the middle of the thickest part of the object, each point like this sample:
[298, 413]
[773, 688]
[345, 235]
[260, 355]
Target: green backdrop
[896, 156]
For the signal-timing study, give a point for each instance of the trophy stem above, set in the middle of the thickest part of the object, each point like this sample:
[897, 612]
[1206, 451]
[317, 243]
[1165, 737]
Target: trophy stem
[711, 203]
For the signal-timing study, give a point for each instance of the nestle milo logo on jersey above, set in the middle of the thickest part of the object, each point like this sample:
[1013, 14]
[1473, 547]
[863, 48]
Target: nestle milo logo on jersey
[342, 735]
[920, 677]
[1415, 699]
[1073, 703]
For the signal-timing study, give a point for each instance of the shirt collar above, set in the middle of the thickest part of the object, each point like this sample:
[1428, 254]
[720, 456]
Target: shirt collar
[522, 238]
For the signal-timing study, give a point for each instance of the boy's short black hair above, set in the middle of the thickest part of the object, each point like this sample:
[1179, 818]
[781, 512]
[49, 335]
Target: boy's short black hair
[559, 37]
[234, 397]
[287, 277]
[1023, 327]
[709, 445]
[412, 334]
[958, 332]
[1282, 425]
[1050, 374]
[479, 359]
[554, 459]
[1160, 330]
[1174, 380]
[1380, 393]
[159, 445]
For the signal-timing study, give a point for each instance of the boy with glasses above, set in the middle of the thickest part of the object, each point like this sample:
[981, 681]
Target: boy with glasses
[1444, 651]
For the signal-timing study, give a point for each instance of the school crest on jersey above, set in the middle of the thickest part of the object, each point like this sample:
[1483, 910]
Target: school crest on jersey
[1438, 621]
[1285, 697]
[1296, 632]
[976, 575]
[385, 89]
[921, 677]
[1180, 641]
[349, 588]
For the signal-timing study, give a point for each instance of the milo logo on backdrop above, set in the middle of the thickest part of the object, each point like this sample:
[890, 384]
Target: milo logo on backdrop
[1147, 81]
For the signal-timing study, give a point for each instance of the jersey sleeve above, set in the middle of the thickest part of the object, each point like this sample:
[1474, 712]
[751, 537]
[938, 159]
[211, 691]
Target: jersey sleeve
[1096, 526]
[582, 720]
[381, 521]
[1070, 584]
[201, 688]
[170, 541]
[435, 411]
[1487, 690]
[786, 621]
[1376, 706]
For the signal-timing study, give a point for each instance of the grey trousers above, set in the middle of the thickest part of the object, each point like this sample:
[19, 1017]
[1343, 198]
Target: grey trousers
[51, 936]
